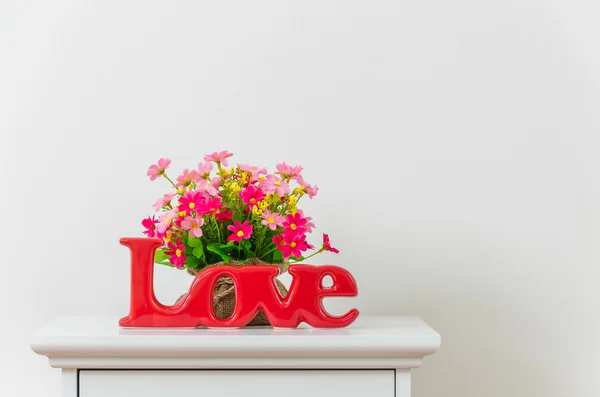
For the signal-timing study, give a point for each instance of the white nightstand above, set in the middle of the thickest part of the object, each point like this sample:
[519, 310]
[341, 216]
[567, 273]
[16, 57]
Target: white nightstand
[373, 357]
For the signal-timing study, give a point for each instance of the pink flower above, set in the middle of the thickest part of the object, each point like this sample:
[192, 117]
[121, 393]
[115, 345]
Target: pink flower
[213, 186]
[220, 157]
[205, 186]
[254, 171]
[327, 245]
[249, 168]
[252, 195]
[176, 256]
[204, 169]
[193, 224]
[177, 220]
[311, 190]
[309, 223]
[163, 201]
[158, 169]
[150, 225]
[291, 244]
[201, 185]
[165, 220]
[223, 215]
[288, 172]
[272, 219]
[210, 206]
[271, 184]
[188, 177]
[295, 224]
[191, 201]
[239, 231]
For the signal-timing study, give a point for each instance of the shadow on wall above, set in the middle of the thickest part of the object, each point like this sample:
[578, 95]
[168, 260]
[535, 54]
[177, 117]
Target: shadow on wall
[484, 344]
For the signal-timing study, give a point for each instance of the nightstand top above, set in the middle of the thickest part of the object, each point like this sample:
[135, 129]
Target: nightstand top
[99, 342]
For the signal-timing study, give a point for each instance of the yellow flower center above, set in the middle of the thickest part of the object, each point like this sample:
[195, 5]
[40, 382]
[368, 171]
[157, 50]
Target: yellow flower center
[271, 220]
[240, 233]
[212, 210]
[178, 253]
[277, 183]
[293, 226]
[253, 200]
[235, 187]
[282, 243]
[292, 244]
[192, 205]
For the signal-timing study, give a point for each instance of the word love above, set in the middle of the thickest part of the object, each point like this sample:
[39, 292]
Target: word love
[255, 290]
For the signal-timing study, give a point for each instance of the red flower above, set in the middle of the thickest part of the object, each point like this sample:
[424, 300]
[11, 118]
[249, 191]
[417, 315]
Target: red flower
[176, 256]
[290, 244]
[252, 195]
[295, 224]
[239, 231]
[150, 225]
[210, 206]
[327, 245]
[224, 214]
[190, 202]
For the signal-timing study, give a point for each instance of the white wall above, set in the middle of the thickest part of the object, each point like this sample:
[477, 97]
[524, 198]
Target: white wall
[455, 144]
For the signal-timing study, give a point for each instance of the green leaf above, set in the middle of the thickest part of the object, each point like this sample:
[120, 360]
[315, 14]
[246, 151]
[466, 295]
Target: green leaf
[217, 250]
[192, 261]
[277, 256]
[247, 247]
[226, 247]
[195, 242]
[301, 258]
[198, 252]
[197, 248]
[160, 257]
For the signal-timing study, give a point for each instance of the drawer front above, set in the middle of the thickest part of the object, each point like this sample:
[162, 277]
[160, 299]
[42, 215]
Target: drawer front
[236, 383]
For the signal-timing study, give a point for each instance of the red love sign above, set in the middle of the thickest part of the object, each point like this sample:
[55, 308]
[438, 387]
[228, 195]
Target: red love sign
[255, 290]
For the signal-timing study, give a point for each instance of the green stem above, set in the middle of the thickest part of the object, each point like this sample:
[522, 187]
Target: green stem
[259, 240]
[311, 255]
[268, 252]
[218, 229]
[168, 179]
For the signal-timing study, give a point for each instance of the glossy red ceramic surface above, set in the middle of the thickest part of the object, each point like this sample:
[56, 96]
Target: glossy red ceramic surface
[255, 290]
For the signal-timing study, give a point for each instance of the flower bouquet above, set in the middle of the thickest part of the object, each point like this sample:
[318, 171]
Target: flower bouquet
[238, 216]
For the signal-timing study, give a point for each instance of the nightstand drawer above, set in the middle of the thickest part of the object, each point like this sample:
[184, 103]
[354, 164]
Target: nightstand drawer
[235, 383]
